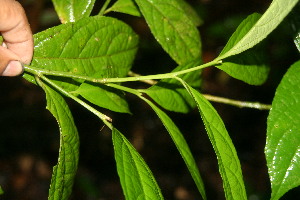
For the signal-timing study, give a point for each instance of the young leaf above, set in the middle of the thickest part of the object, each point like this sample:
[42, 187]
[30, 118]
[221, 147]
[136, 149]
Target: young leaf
[104, 97]
[136, 178]
[283, 135]
[73, 10]
[274, 15]
[182, 147]
[125, 6]
[65, 171]
[95, 46]
[229, 164]
[248, 67]
[172, 28]
[171, 95]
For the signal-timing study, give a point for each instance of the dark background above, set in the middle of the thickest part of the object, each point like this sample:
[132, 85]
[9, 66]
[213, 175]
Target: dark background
[29, 136]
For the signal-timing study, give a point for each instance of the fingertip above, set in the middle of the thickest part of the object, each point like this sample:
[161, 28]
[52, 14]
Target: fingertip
[14, 68]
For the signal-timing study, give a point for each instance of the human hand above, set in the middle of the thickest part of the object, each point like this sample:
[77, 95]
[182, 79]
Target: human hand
[17, 45]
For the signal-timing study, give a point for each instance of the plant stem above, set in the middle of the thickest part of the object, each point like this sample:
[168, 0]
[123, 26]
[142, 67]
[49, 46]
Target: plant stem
[105, 5]
[240, 104]
[103, 117]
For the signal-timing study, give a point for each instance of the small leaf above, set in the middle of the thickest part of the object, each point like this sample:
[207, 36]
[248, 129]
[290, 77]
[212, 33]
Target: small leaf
[171, 95]
[104, 97]
[190, 12]
[73, 10]
[182, 147]
[125, 6]
[1, 191]
[95, 46]
[283, 135]
[172, 28]
[136, 178]
[274, 15]
[248, 67]
[64, 172]
[228, 161]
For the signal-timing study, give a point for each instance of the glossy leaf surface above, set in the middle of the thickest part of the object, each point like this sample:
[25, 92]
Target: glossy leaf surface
[104, 97]
[274, 15]
[172, 28]
[171, 95]
[136, 178]
[125, 6]
[182, 147]
[95, 46]
[64, 172]
[73, 10]
[228, 161]
[283, 135]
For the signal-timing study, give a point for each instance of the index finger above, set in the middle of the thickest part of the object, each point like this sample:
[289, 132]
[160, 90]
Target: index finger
[15, 30]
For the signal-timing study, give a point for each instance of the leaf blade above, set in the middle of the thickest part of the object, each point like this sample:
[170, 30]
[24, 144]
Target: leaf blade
[178, 36]
[125, 6]
[182, 147]
[136, 178]
[276, 12]
[64, 172]
[282, 145]
[229, 165]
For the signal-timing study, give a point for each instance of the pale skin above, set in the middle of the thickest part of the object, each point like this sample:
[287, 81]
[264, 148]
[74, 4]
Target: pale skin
[17, 47]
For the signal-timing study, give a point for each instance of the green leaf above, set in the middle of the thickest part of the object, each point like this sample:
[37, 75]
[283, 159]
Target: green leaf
[228, 161]
[182, 147]
[283, 135]
[274, 15]
[136, 178]
[73, 10]
[64, 172]
[172, 28]
[1, 191]
[171, 95]
[104, 97]
[125, 6]
[95, 46]
[248, 67]
[190, 12]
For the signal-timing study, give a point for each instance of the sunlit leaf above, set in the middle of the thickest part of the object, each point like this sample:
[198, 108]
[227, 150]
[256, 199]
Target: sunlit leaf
[172, 28]
[125, 6]
[253, 35]
[283, 135]
[228, 161]
[73, 10]
[136, 178]
[65, 170]
[171, 95]
[95, 46]
[182, 147]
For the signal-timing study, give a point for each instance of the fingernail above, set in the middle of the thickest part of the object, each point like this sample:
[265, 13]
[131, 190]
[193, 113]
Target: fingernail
[14, 68]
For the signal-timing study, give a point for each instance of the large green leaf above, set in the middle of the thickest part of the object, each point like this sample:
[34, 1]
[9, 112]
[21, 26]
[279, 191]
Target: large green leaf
[64, 172]
[125, 6]
[104, 97]
[173, 29]
[101, 46]
[229, 164]
[274, 15]
[171, 95]
[73, 10]
[182, 147]
[283, 135]
[136, 178]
